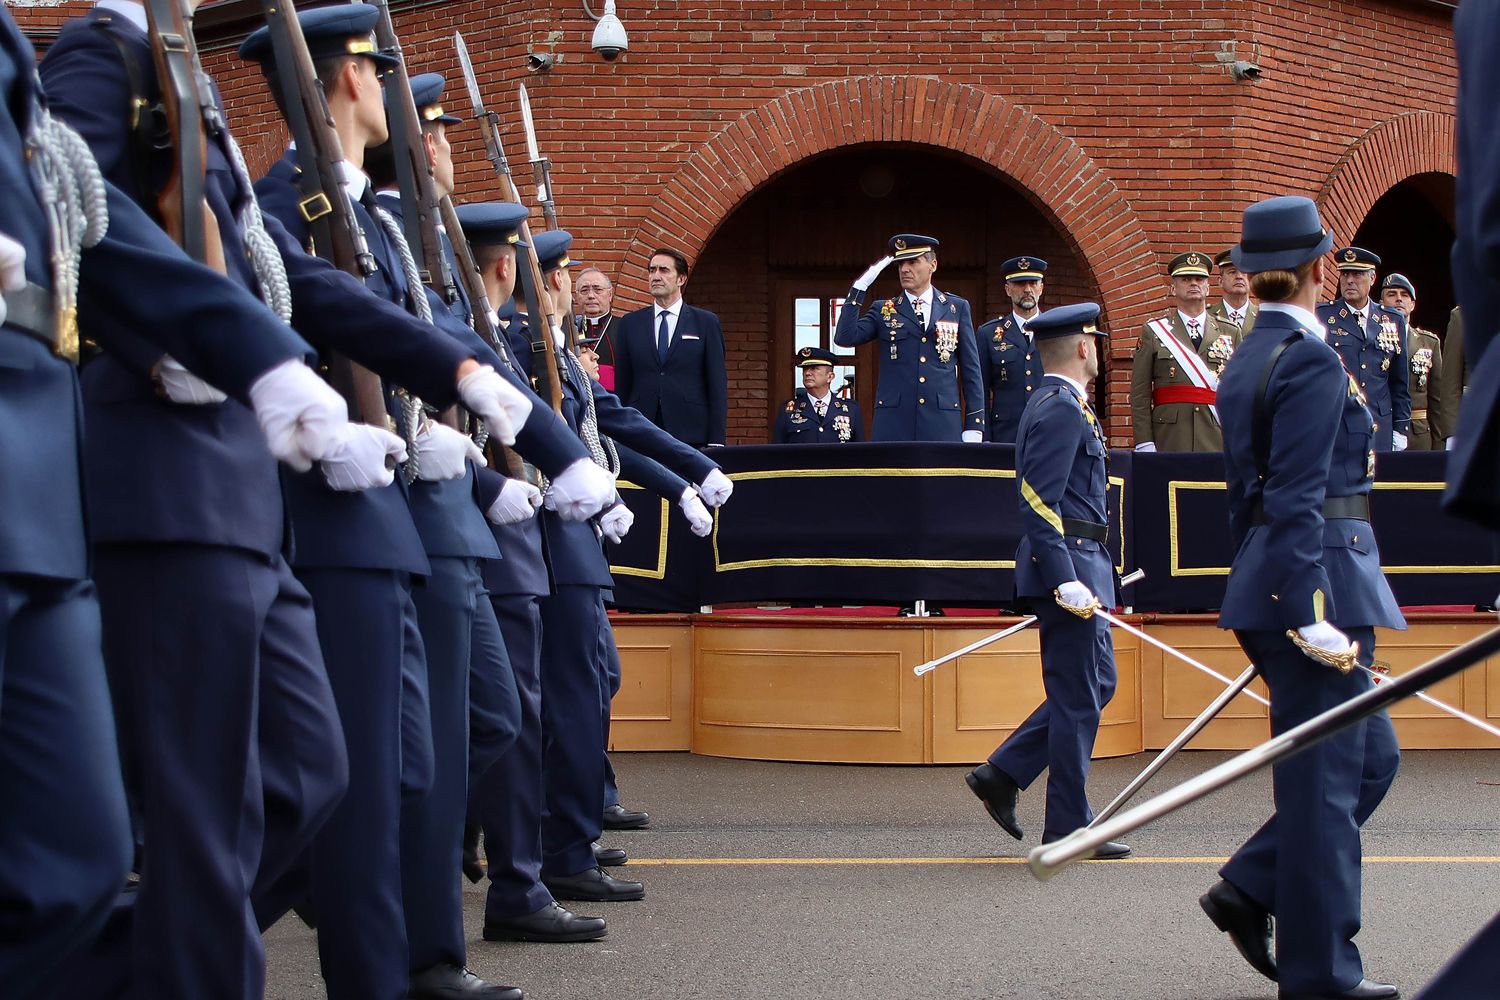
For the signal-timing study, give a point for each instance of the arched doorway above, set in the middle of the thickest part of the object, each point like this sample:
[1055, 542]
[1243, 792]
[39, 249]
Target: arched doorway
[1411, 228]
[777, 268]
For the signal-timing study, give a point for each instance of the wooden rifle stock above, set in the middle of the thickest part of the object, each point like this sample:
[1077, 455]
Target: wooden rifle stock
[181, 203]
[325, 206]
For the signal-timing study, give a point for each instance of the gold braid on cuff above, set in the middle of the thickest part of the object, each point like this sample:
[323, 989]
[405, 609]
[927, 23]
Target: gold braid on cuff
[1081, 610]
[1342, 662]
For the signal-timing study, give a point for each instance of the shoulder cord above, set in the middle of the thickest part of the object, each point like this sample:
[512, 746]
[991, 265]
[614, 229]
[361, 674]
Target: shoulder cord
[412, 409]
[77, 208]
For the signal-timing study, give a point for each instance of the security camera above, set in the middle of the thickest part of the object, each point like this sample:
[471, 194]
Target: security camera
[1244, 71]
[539, 62]
[609, 34]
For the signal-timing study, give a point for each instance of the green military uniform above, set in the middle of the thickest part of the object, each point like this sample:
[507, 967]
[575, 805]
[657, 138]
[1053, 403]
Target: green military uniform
[1168, 406]
[1455, 375]
[1220, 311]
[1429, 419]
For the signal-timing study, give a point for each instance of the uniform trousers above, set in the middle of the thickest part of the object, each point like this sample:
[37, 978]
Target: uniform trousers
[572, 747]
[507, 801]
[432, 826]
[233, 749]
[609, 660]
[368, 629]
[1303, 865]
[1078, 674]
[65, 844]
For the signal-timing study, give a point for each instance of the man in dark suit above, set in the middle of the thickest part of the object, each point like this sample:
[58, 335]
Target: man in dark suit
[816, 415]
[669, 359]
[1064, 570]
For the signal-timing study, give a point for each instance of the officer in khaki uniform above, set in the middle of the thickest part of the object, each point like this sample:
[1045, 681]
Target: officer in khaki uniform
[1236, 306]
[1430, 419]
[1455, 375]
[1177, 364]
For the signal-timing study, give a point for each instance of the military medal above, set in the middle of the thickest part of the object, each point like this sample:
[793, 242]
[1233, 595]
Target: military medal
[1220, 352]
[841, 425]
[1388, 341]
[947, 338]
[1421, 364]
[888, 313]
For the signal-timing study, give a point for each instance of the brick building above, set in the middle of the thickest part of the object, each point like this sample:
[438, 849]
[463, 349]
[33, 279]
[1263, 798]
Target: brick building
[778, 142]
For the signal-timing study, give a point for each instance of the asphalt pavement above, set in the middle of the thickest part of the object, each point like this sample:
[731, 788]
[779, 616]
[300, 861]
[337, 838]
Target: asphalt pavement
[837, 882]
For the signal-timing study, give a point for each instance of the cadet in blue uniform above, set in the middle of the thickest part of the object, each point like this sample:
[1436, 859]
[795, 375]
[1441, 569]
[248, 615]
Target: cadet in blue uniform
[816, 415]
[1305, 596]
[1371, 340]
[360, 571]
[1008, 360]
[64, 831]
[930, 386]
[1064, 569]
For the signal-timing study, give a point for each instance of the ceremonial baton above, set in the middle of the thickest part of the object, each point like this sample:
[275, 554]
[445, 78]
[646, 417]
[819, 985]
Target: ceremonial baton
[931, 665]
[1048, 858]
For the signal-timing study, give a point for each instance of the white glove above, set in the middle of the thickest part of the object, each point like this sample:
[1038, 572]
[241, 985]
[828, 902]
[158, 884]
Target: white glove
[715, 488]
[616, 522]
[12, 268]
[501, 405]
[441, 453]
[300, 414]
[517, 502]
[1448, 444]
[362, 458]
[1075, 593]
[973, 437]
[699, 519]
[1146, 446]
[1324, 636]
[580, 491]
[1399, 440]
[864, 281]
[182, 386]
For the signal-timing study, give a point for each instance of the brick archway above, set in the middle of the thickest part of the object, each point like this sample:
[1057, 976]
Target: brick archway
[1052, 169]
[1400, 147]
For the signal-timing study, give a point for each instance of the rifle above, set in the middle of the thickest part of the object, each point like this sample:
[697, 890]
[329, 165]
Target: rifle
[542, 169]
[336, 235]
[544, 362]
[184, 87]
[419, 197]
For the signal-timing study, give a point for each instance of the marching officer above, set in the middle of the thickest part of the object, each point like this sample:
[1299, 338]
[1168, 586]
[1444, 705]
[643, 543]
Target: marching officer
[1008, 361]
[1305, 596]
[1063, 568]
[930, 385]
[1430, 422]
[1235, 306]
[1177, 363]
[1371, 340]
[816, 415]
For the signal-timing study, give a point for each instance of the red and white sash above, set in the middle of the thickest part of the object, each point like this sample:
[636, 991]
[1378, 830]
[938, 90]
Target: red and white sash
[1205, 382]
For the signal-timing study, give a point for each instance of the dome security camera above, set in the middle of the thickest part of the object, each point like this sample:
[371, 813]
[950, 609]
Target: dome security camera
[609, 34]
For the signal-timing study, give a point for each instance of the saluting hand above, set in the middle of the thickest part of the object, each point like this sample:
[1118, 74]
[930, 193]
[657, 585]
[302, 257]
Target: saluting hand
[864, 281]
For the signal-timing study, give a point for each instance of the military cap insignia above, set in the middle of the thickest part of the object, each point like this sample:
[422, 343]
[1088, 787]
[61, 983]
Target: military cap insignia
[1194, 260]
[1350, 256]
[806, 352]
[1024, 264]
[900, 244]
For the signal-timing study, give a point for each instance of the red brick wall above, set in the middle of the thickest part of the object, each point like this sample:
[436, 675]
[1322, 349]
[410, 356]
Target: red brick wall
[1120, 121]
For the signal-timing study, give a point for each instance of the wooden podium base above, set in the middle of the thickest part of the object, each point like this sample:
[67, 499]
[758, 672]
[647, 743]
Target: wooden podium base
[835, 689]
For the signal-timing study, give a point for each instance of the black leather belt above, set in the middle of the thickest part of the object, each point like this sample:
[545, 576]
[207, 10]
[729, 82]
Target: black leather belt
[1074, 528]
[1356, 507]
[30, 310]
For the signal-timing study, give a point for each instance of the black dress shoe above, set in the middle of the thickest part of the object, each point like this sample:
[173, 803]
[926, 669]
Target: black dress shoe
[552, 923]
[1367, 989]
[998, 793]
[617, 817]
[1110, 850]
[594, 886]
[473, 868]
[454, 982]
[1246, 922]
[609, 857]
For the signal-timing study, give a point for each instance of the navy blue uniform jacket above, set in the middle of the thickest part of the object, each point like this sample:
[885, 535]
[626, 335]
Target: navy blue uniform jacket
[799, 423]
[1380, 372]
[1011, 369]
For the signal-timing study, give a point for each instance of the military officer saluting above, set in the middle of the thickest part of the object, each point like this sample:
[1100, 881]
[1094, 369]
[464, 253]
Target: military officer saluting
[816, 415]
[1064, 569]
[1430, 421]
[1008, 361]
[1371, 340]
[1235, 307]
[1177, 364]
[930, 387]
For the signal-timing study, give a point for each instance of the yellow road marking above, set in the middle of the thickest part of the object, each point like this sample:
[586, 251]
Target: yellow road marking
[662, 862]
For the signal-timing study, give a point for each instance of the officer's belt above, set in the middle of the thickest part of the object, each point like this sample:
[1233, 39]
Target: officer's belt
[1356, 507]
[1074, 528]
[1183, 394]
[1419, 414]
[30, 310]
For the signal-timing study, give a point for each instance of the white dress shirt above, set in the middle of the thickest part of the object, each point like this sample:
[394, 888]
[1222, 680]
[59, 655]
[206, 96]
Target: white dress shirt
[673, 312]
